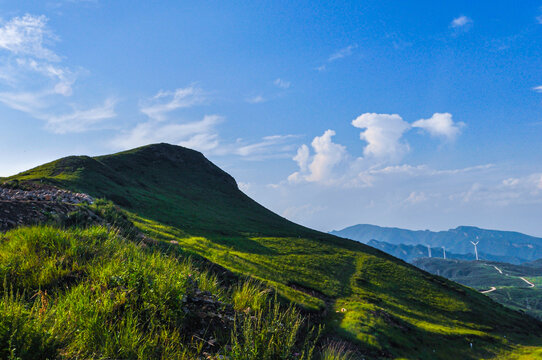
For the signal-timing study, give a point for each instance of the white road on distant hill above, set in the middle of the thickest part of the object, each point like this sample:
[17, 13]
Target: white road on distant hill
[496, 268]
[493, 288]
[527, 281]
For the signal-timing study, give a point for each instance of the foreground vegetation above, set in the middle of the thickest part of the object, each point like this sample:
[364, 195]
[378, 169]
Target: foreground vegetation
[92, 294]
[375, 305]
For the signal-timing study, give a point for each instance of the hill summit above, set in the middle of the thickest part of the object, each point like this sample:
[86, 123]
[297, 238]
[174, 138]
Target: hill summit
[381, 305]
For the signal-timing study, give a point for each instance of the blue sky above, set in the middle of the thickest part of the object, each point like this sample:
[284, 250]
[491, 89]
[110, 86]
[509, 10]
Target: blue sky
[412, 114]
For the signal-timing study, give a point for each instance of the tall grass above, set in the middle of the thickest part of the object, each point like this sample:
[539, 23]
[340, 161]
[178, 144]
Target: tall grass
[336, 351]
[91, 294]
[272, 333]
[23, 334]
[250, 295]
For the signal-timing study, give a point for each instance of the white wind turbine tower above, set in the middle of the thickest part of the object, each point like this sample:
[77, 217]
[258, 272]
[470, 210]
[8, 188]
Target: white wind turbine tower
[475, 248]
[444, 251]
[429, 250]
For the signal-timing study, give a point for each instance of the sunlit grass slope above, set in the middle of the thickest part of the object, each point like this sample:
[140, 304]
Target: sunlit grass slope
[385, 306]
[72, 293]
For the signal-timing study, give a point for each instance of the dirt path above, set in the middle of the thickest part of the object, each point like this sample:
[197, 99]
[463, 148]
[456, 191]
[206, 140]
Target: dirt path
[527, 281]
[493, 288]
[496, 268]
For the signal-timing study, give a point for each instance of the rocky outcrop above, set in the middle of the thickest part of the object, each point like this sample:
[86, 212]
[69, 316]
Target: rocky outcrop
[26, 207]
[45, 194]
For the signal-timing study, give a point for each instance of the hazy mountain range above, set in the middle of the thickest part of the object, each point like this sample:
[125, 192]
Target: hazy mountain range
[506, 246]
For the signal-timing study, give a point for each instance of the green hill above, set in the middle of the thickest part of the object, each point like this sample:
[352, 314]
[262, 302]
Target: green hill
[382, 305]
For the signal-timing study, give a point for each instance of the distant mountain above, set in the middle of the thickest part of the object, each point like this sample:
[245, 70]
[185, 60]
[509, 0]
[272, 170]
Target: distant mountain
[507, 244]
[409, 253]
[516, 286]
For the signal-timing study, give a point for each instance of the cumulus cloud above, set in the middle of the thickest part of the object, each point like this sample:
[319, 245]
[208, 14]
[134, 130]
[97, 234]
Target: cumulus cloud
[440, 125]
[383, 133]
[461, 22]
[36, 81]
[320, 166]
[281, 83]
[331, 163]
[167, 101]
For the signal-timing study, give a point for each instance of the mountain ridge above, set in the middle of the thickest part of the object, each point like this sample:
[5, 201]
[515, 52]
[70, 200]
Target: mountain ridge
[457, 240]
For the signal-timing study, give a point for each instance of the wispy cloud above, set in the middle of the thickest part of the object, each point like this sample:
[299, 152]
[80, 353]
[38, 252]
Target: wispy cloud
[200, 135]
[274, 146]
[281, 83]
[35, 80]
[27, 36]
[256, 99]
[461, 21]
[538, 89]
[539, 17]
[342, 53]
[165, 102]
[81, 120]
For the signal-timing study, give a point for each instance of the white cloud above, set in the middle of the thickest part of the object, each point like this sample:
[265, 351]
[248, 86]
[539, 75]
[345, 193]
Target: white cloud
[81, 120]
[333, 164]
[342, 53]
[199, 135]
[461, 22]
[321, 166]
[440, 125]
[283, 84]
[302, 158]
[538, 89]
[27, 35]
[270, 146]
[383, 134]
[28, 102]
[37, 84]
[167, 101]
[256, 99]
[416, 197]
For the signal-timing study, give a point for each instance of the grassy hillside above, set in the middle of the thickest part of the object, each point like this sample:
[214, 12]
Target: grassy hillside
[503, 281]
[384, 306]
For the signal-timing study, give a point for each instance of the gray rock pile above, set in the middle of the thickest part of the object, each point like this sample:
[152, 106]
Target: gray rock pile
[54, 195]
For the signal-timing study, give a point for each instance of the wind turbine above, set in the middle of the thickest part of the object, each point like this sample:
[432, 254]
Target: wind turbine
[444, 251]
[475, 248]
[429, 250]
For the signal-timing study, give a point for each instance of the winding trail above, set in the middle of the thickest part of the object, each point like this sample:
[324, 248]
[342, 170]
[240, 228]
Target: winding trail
[496, 268]
[527, 281]
[493, 288]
